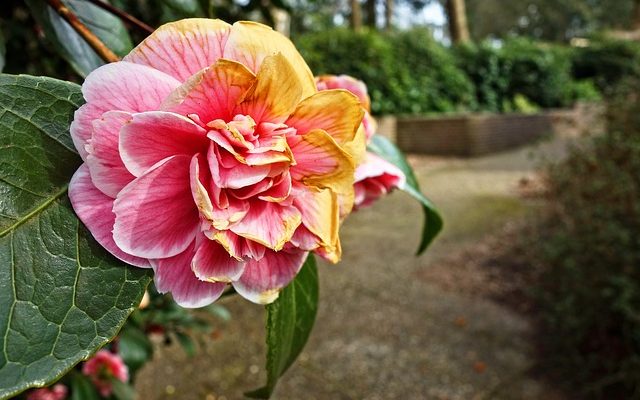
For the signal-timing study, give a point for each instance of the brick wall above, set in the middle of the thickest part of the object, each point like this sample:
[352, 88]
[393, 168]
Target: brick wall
[476, 134]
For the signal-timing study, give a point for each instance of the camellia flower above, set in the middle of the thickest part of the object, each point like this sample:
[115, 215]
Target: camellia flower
[102, 368]
[375, 177]
[211, 157]
[56, 392]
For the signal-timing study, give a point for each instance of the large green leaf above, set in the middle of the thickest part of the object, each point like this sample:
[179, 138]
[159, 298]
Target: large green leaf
[61, 295]
[70, 44]
[432, 220]
[289, 322]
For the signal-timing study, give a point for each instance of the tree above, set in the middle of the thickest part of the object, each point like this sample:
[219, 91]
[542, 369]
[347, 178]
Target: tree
[457, 20]
[549, 19]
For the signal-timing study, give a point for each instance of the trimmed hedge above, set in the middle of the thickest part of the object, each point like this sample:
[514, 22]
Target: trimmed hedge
[410, 73]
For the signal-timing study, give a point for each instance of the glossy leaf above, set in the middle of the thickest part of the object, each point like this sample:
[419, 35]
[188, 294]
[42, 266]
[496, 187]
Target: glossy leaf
[70, 44]
[289, 322]
[432, 219]
[62, 296]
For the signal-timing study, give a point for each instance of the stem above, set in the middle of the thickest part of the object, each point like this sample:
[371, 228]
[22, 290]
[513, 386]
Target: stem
[122, 15]
[91, 39]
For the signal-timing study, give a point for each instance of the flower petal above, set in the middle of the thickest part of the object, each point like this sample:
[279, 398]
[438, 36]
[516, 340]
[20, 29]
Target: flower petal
[108, 172]
[375, 178]
[338, 112]
[174, 275]
[320, 215]
[212, 93]
[156, 216]
[250, 43]
[275, 93]
[155, 135]
[120, 86]
[270, 224]
[94, 210]
[182, 48]
[320, 162]
[262, 280]
[212, 263]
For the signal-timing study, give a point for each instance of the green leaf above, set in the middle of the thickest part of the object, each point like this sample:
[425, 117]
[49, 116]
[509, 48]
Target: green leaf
[432, 219]
[122, 391]
[134, 347]
[187, 344]
[62, 296]
[289, 322]
[82, 388]
[70, 44]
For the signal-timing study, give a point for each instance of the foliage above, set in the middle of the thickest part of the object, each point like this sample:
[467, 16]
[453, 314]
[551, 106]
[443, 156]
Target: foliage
[426, 80]
[546, 19]
[289, 322]
[591, 289]
[607, 62]
[519, 69]
[61, 295]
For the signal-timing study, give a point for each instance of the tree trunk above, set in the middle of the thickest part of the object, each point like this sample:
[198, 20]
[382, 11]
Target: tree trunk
[371, 13]
[457, 19]
[388, 21]
[356, 15]
[635, 24]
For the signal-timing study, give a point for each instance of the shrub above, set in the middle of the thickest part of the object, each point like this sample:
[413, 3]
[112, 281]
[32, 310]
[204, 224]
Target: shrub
[540, 73]
[407, 73]
[590, 297]
[607, 62]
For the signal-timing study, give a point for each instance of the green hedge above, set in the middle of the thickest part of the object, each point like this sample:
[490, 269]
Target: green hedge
[410, 73]
[407, 73]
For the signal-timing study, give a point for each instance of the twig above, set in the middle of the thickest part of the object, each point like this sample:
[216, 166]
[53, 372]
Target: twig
[91, 39]
[122, 15]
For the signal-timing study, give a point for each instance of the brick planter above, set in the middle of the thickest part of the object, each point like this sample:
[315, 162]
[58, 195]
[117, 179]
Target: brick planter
[477, 134]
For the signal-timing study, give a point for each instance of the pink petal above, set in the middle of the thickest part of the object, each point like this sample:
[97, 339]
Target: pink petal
[155, 214]
[94, 210]
[119, 86]
[108, 172]
[182, 48]
[155, 135]
[375, 178]
[174, 275]
[212, 263]
[270, 224]
[236, 177]
[212, 93]
[237, 246]
[262, 280]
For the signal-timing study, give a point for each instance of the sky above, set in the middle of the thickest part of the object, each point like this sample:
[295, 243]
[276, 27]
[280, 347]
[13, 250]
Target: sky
[431, 15]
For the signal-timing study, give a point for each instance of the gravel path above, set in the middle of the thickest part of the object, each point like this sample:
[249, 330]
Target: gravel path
[386, 329]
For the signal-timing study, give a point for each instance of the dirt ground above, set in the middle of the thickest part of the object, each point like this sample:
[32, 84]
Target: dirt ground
[445, 325]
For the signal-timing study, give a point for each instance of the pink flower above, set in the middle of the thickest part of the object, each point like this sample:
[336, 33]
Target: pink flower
[102, 368]
[375, 177]
[211, 158]
[56, 392]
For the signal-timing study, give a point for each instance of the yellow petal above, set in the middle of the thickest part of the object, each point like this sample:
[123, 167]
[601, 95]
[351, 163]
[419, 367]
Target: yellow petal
[250, 43]
[275, 93]
[338, 112]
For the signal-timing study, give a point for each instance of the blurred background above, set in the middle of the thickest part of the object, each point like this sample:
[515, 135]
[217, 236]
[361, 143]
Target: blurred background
[521, 119]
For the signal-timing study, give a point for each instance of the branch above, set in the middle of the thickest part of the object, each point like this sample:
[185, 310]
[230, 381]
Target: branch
[122, 15]
[92, 40]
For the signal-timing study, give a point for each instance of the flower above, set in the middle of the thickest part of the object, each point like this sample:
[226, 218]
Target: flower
[56, 392]
[375, 177]
[103, 368]
[210, 157]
